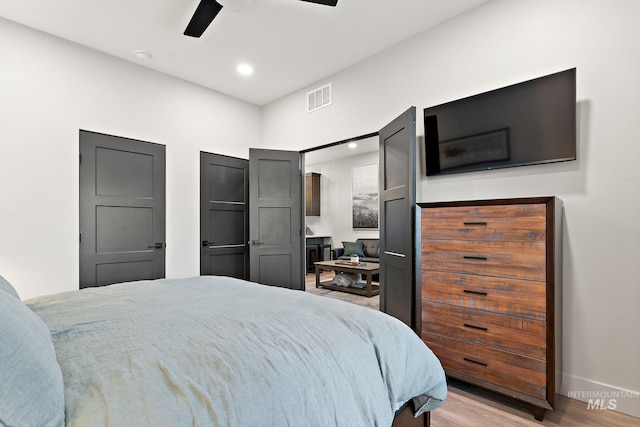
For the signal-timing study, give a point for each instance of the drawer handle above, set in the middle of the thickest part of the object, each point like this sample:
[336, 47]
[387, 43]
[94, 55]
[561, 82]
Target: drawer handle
[395, 254]
[479, 258]
[467, 291]
[480, 328]
[475, 223]
[474, 361]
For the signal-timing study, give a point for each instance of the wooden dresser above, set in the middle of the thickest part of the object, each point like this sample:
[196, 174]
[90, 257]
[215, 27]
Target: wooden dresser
[489, 301]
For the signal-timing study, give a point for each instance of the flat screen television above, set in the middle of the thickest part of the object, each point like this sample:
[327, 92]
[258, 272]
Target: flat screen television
[523, 124]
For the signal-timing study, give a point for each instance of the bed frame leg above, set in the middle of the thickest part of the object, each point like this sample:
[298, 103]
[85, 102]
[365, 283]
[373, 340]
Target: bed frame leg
[406, 419]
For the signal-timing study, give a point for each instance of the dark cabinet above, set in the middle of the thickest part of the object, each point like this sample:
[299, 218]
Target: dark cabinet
[312, 189]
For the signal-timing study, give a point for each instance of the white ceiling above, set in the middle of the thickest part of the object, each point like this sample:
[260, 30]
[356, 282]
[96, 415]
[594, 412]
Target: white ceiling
[341, 151]
[290, 43]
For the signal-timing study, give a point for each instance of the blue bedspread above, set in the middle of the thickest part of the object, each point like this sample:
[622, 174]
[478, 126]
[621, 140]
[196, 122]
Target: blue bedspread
[224, 352]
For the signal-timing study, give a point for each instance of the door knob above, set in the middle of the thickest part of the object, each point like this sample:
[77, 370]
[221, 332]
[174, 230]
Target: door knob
[256, 242]
[156, 246]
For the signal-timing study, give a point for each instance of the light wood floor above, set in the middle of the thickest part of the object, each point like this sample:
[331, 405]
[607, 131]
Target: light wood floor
[310, 284]
[471, 406]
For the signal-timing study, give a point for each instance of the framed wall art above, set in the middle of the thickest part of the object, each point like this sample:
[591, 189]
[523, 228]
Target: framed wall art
[364, 196]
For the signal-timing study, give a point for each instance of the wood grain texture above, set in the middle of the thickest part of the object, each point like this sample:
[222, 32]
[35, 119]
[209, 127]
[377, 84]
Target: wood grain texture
[487, 297]
[496, 294]
[523, 374]
[517, 335]
[518, 223]
[518, 260]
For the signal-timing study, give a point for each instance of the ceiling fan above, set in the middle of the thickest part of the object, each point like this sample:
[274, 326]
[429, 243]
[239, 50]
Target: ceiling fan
[208, 9]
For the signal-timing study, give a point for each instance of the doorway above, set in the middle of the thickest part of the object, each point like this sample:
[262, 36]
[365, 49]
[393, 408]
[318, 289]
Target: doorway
[224, 216]
[335, 166]
[398, 246]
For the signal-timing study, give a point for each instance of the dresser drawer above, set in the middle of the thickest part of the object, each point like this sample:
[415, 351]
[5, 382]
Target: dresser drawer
[521, 223]
[520, 260]
[513, 334]
[514, 297]
[513, 371]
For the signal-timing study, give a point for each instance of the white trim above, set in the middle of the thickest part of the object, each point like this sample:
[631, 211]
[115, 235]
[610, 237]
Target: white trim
[582, 389]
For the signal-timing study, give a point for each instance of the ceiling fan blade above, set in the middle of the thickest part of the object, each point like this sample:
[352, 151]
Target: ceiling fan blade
[202, 17]
[324, 2]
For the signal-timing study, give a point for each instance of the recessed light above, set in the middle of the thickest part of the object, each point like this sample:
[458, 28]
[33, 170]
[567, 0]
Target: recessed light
[245, 69]
[143, 55]
[352, 145]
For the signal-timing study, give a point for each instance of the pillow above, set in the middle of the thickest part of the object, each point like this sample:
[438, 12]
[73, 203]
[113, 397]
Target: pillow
[30, 378]
[6, 286]
[353, 248]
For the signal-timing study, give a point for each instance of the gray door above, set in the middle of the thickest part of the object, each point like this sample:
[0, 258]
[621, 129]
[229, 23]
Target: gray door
[122, 210]
[224, 216]
[276, 218]
[397, 214]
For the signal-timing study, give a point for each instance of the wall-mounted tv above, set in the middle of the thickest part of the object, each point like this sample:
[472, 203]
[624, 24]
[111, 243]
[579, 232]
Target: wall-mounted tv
[523, 124]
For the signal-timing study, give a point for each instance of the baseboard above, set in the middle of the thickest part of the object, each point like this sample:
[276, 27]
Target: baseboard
[599, 396]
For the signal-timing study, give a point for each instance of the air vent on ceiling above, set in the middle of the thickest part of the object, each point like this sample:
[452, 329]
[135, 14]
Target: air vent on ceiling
[318, 98]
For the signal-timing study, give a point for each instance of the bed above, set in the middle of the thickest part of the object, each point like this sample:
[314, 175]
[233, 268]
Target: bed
[208, 351]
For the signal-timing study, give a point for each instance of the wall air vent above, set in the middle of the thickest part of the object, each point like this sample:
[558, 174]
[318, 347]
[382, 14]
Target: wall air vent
[318, 98]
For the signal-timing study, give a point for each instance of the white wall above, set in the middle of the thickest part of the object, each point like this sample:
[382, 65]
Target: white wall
[335, 218]
[505, 42]
[51, 88]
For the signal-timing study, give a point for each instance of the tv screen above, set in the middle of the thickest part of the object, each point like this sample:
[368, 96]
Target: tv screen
[523, 124]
